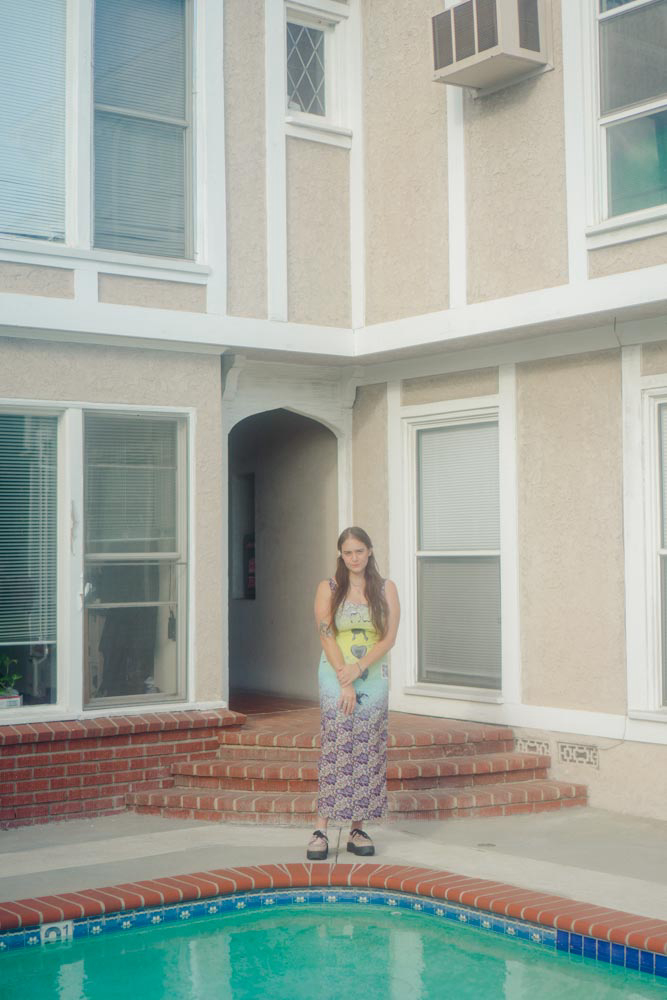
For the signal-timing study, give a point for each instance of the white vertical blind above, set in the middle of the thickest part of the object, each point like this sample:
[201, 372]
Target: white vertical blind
[141, 126]
[32, 118]
[28, 527]
[130, 484]
[458, 488]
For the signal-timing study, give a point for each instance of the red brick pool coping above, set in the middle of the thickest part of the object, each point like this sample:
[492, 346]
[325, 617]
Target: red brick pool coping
[495, 897]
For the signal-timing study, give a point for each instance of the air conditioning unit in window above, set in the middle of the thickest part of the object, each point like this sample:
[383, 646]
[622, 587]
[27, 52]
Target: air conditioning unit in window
[489, 44]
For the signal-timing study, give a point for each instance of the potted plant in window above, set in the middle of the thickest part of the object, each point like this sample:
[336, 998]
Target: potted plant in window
[9, 696]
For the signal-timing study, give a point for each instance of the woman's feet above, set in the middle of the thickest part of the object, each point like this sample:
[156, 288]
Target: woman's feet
[318, 846]
[360, 843]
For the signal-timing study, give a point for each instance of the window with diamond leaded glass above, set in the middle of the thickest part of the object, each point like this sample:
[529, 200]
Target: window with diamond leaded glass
[306, 88]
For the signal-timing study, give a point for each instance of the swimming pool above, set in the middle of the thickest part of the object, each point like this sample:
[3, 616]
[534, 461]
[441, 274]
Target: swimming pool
[330, 945]
[75, 945]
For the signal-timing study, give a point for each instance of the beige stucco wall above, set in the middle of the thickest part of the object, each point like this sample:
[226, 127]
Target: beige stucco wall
[405, 133]
[273, 644]
[318, 233]
[245, 157]
[456, 385]
[627, 256]
[151, 293]
[571, 576]
[35, 369]
[30, 279]
[624, 781]
[654, 358]
[515, 185]
[370, 474]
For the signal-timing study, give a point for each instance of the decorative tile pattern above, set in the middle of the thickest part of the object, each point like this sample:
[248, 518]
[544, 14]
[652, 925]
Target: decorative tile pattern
[579, 753]
[541, 920]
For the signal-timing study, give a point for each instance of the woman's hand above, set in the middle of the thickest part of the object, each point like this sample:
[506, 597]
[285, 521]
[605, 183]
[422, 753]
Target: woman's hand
[347, 700]
[348, 673]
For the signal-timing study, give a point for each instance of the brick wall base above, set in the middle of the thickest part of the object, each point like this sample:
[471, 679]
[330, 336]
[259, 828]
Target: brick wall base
[71, 770]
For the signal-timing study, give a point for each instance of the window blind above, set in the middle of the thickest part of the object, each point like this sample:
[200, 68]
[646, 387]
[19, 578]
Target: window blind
[141, 126]
[459, 621]
[130, 484]
[28, 528]
[458, 488]
[32, 118]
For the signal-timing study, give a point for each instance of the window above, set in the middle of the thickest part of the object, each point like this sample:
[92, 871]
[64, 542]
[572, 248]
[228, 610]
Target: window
[142, 126]
[115, 173]
[28, 568]
[134, 558]
[662, 547]
[32, 119]
[317, 70]
[306, 89]
[633, 103]
[458, 555]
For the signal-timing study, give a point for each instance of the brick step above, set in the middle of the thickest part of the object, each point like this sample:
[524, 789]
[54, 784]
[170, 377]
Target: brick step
[299, 809]
[282, 775]
[302, 754]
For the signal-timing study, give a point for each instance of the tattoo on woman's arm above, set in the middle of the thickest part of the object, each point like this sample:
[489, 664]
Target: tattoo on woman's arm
[325, 630]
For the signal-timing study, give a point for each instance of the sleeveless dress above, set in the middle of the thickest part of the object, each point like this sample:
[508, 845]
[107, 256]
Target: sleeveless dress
[353, 762]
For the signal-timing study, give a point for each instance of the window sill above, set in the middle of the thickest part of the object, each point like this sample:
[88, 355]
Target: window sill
[657, 715]
[454, 693]
[30, 714]
[627, 228]
[318, 131]
[109, 261]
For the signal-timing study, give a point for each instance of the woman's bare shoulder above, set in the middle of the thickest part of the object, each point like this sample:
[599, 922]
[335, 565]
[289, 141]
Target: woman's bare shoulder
[390, 587]
[325, 587]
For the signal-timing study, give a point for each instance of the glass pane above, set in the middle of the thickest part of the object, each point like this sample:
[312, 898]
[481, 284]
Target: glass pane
[140, 55]
[612, 4]
[662, 431]
[637, 157]
[32, 119]
[459, 621]
[130, 484]
[305, 69]
[139, 186]
[633, 57]
[458, 488]
[28, 567]
[131, 583]
[132, 652]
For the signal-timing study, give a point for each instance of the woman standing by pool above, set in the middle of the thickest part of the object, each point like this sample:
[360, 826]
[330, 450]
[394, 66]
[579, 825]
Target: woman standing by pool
[357, 614]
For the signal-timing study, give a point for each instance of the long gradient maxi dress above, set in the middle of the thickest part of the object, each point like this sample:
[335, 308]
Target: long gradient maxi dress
[353, 762]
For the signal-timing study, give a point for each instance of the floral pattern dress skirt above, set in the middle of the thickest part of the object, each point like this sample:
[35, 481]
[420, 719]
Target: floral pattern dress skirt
[353, 762]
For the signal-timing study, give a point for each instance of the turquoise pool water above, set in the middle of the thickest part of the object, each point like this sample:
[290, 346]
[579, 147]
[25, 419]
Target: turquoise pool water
[312, 953]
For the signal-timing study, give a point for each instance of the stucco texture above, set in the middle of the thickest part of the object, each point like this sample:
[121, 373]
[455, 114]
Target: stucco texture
[245, 157]
[273, 642]
[654, 358]
[151, 293]
[571, 563]
[318, 233]
[405, 132]
[370, 474]
[624, 781]
[515, 185]
[627, 256]
[456, 385]
[35, 369]
[30, 279]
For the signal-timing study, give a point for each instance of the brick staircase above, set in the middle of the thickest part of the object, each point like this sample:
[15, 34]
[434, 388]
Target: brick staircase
[266, 772]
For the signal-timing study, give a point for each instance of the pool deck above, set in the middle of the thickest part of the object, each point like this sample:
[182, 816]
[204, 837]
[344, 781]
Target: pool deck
[587, 855]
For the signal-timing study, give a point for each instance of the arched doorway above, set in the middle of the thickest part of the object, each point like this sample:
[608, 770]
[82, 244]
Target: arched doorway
[283, 522]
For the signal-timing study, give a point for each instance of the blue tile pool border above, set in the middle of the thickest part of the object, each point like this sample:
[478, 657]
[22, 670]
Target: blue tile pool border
[594, 949]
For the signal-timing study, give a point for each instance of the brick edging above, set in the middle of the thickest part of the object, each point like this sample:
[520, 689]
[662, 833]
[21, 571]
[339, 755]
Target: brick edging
[548, 910]
[118, 725]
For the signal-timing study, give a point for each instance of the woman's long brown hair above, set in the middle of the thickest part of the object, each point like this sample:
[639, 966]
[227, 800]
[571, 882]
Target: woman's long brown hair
[377, 602]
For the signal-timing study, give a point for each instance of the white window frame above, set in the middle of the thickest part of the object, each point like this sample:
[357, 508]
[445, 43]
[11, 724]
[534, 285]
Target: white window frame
[333, 18]
[500, 408]
[601, 228]
[204, 20]
[70, 561]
